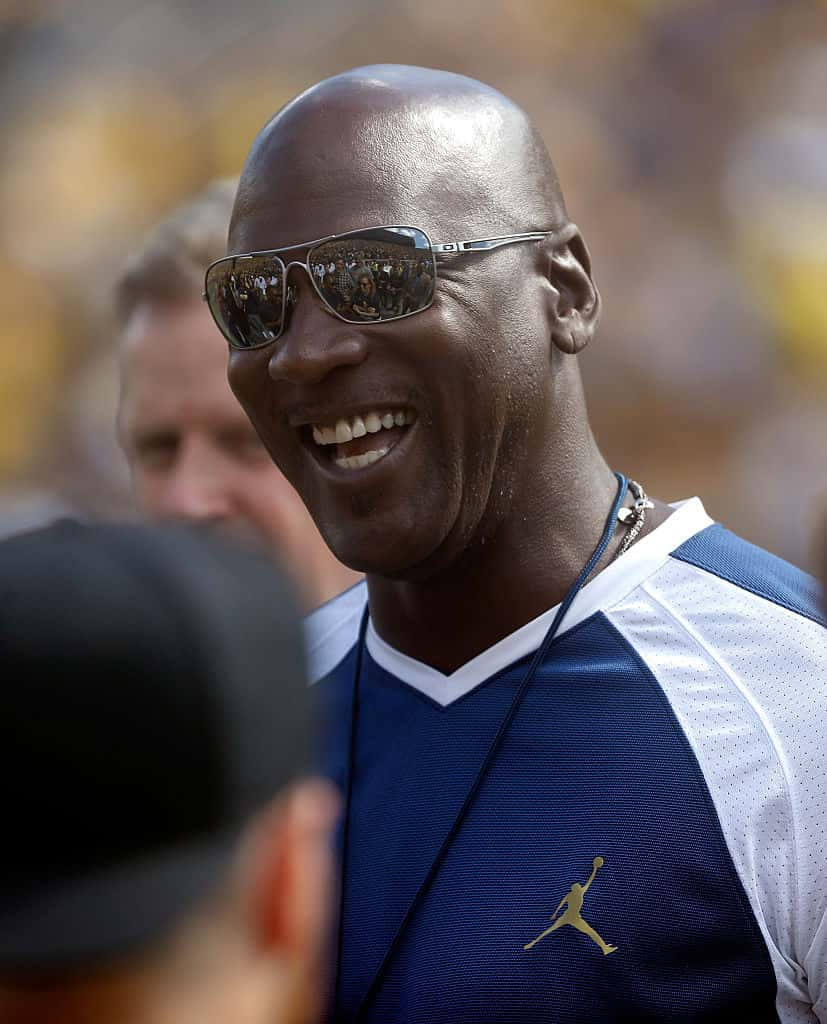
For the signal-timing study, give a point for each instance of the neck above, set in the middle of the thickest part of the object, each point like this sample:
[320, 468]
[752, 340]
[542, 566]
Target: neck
[523, 568]
[195, 976]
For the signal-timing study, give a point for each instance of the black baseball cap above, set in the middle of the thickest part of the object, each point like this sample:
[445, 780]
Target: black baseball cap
[153, 698]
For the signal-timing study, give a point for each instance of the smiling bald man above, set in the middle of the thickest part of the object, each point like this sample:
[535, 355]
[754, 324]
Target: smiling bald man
[552, 691]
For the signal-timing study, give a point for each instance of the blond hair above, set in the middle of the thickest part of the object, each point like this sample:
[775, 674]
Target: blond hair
[169, 266]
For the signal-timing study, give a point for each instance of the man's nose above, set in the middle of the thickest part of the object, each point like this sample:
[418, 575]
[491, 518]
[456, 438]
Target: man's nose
[314, 342]
[196, 487]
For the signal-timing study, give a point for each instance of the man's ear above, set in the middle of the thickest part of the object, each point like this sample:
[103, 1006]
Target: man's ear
[575, 301]
[293, 888]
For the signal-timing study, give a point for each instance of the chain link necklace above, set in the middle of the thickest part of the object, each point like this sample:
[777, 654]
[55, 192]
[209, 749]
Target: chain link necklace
[633, 518]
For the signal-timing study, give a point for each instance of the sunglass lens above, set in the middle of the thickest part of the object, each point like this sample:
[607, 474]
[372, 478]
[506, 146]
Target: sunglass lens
[379, 274]
[246, 297]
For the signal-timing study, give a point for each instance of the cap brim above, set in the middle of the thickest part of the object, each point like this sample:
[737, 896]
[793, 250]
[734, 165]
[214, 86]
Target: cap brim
[102, 916]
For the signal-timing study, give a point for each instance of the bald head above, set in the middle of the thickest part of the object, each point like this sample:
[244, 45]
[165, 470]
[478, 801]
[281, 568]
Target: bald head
[401, 144]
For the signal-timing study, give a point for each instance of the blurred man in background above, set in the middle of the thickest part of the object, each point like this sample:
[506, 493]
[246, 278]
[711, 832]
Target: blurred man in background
[164, 860]
[192, 452]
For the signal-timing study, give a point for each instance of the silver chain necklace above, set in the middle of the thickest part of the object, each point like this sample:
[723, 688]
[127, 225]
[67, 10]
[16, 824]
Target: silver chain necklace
[633, 518]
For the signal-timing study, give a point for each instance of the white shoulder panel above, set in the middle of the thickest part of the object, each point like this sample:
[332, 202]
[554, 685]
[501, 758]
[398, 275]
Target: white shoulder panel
[747, 680]
[331, 630]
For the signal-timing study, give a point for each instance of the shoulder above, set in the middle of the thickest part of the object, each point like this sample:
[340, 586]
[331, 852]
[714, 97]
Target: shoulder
[734, 637]
[756, 619]
[751, 570]
[332, 629]
[761, 622]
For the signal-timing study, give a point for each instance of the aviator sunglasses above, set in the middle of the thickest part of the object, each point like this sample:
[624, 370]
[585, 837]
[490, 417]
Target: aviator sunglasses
[370, 275]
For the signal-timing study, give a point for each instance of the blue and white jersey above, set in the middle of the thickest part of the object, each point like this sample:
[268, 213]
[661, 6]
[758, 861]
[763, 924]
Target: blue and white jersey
[650, 843]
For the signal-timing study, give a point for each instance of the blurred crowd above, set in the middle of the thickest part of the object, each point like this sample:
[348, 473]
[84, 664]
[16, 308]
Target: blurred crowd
[691, 141]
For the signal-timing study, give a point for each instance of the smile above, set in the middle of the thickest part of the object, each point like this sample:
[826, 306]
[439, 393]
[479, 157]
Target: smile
[363, 439]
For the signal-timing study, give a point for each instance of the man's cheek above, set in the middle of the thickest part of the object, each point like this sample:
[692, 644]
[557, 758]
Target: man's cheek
[287, 454]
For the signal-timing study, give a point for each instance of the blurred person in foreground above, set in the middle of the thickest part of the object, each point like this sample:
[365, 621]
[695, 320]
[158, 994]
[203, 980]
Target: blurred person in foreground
[165, 859]
[580, 732]
[192, 452]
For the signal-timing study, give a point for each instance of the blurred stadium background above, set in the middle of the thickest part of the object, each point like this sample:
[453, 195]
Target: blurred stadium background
[691, 140]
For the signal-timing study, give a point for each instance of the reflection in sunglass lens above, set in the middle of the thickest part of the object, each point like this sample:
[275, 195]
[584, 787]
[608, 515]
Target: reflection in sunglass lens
[246, 297]
[379, 274]
[363, 276]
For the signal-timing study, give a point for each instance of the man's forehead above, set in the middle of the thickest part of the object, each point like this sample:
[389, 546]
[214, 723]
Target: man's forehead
[286, 207]
[169, 346]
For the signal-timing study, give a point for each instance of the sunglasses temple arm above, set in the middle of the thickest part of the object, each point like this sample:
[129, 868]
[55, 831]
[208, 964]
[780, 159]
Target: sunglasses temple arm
[564, 234]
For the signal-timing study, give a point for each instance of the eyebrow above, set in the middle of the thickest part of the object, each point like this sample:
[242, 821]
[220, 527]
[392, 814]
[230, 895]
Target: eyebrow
[155, 437]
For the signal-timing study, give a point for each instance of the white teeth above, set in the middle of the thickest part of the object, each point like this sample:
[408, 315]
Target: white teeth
[343, 432]
[360, 461]
[357, 426]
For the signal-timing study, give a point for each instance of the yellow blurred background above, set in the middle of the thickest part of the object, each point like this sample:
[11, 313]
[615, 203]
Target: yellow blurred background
[691, 141]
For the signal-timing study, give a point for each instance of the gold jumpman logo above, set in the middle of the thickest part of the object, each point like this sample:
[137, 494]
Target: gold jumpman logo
[573, 901]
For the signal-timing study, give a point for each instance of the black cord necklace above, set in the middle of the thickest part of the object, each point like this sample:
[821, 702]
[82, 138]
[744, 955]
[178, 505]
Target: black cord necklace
[487, 761]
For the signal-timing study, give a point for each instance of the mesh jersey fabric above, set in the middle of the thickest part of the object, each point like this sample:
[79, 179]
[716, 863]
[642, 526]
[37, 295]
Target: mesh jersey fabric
[662, 789]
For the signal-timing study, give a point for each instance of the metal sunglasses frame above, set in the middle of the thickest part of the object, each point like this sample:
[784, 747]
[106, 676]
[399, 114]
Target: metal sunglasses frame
[438, 249]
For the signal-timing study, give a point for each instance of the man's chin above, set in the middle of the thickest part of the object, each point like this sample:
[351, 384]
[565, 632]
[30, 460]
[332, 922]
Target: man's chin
[392, 536]
[371, 565]
[243, 533]
[392, 557]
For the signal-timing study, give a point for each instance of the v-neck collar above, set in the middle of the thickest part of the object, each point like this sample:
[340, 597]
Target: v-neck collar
[333, 628]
